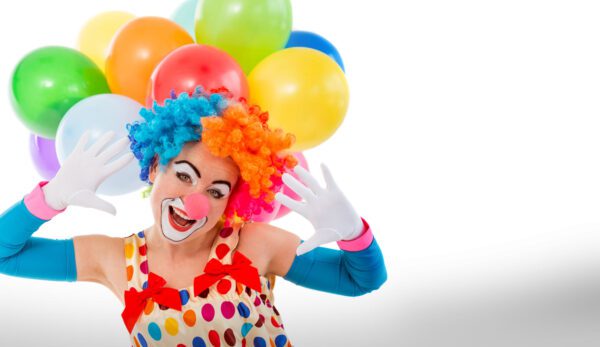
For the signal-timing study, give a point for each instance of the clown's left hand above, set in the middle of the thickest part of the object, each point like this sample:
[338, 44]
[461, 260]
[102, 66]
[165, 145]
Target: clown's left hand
[330, 213]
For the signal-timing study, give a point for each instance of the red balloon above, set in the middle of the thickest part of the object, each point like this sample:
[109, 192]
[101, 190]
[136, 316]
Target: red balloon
[195, 65]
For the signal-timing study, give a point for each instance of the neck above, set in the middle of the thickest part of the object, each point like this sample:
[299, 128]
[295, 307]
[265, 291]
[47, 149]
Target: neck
[198, 243]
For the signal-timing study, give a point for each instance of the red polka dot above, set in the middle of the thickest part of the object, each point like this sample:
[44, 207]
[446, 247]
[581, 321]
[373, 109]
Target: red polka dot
[225, 232]
[274, 322]
[181, 345]
[143, 249]
[214, 338]
[223, 286]
[222, 249]
[261, 320]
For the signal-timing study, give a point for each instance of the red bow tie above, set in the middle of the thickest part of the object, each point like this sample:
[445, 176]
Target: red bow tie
[240, 270]
[136, 301]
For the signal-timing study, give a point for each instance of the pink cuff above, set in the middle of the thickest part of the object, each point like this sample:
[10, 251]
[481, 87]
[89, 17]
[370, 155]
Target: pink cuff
[36, 203]
[361, 242]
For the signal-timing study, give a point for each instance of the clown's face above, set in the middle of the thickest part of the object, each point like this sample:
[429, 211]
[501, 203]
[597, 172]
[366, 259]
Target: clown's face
[190, 196]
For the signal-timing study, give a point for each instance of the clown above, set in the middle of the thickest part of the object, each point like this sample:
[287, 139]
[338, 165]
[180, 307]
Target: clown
[203, 274]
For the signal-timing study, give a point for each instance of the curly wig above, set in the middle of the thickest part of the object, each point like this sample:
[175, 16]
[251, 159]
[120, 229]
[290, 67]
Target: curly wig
[228, 128]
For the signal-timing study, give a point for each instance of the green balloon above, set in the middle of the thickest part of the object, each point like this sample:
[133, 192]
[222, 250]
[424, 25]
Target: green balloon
[249, 30]
[48, 81]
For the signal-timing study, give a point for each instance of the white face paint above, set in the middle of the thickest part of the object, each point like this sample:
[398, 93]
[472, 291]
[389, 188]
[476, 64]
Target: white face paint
[185, 168]
[172, 216]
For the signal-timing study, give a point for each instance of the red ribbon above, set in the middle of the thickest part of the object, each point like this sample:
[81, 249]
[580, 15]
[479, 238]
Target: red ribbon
[240, 270]
[135, 301]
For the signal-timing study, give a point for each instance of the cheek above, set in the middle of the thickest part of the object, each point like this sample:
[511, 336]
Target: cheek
[217, 207]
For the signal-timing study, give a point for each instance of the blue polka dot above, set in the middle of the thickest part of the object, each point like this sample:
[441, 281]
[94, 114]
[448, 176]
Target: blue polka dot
[246, 328]
[243, 310]
[280, 340]
[142, 340]
[259, 342]
[198, 342]
[145, 285]
[154, 331]
[268, 284]
[141, 234]
[185, 296]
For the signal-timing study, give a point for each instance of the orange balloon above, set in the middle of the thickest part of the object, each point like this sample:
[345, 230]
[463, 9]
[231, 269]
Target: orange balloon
[137, 48]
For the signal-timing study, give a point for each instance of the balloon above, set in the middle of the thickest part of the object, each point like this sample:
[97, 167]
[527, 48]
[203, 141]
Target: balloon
[305, 93]
[193, 65]
[43, 154]
[48, 81]
[137, 49]
[99, 114]
[249, 30]
[314, 41]
[95, 37]
[283, 210]
[184, 15]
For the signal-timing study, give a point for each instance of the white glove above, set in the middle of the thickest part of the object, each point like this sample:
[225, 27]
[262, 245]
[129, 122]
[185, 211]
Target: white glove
[330, 213]
[83, 171]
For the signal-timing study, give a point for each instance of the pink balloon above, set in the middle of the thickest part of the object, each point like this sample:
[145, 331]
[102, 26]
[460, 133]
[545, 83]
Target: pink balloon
[283, 210]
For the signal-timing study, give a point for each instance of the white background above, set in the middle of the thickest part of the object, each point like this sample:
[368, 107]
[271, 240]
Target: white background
[471, 146]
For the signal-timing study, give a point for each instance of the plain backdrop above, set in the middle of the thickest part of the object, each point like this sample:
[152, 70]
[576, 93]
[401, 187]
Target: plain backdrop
[471, 145]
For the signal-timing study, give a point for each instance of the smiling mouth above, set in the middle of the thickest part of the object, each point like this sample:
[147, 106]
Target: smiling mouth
[178, 219]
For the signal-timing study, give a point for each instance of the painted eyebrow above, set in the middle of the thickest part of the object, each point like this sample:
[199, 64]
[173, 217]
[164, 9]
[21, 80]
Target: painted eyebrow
[190, 164]
[223, 182]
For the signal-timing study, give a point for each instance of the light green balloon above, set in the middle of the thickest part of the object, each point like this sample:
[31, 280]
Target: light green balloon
[249, 30]
[48, 81]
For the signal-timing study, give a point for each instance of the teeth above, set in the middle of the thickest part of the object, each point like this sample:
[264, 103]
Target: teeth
[180, 215]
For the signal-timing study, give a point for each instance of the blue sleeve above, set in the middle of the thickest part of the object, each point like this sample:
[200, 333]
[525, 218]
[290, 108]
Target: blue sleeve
[32, 257]
[340, 272]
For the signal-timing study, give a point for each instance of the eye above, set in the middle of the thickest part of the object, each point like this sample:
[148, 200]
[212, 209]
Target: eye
[215, 193]
[184, 177]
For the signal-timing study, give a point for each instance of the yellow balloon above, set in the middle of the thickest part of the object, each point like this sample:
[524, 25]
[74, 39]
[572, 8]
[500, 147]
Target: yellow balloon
[304, 91]
[95, 37]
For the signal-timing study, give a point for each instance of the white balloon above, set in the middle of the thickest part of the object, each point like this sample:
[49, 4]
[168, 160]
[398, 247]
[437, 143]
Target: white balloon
[99, 114]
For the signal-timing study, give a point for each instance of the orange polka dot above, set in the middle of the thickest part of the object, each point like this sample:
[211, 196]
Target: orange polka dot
[149, 306]
[222, 249]
[129, 272]
[137, 344]
[239, 288]
[128, 251]
[223, 286]
[189, 317]
[272, 343]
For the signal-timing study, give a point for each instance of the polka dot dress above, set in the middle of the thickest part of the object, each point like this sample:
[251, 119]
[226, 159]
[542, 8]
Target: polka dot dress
[226, 314]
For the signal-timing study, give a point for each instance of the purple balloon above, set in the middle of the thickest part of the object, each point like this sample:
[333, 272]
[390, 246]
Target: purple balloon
[43, 154]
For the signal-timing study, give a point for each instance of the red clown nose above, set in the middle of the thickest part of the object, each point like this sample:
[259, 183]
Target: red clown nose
[196, 205]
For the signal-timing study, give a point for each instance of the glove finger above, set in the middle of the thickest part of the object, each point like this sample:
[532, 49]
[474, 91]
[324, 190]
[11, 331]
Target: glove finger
[308, 179]
[117, 164]
[294, 205]
[298, 187]
[321, 237]
[101, 142]
[87, 198]
[328, 177]
[83, 140]
[113, 149]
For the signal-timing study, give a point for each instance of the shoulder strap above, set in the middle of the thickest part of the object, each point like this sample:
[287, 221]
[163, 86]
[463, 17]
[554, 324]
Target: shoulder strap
[135, 260]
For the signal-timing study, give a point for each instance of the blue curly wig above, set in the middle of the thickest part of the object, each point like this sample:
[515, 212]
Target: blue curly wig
[167, 128]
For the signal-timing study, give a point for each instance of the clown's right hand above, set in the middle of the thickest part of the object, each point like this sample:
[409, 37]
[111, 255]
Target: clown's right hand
[83, 171]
